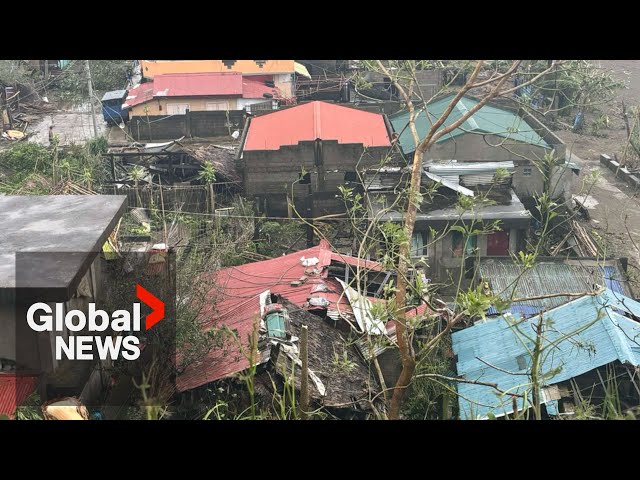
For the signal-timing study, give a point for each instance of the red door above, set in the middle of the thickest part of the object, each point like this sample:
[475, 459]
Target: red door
[498, 243]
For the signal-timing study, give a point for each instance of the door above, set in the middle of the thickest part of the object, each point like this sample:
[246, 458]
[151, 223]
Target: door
[498, 243]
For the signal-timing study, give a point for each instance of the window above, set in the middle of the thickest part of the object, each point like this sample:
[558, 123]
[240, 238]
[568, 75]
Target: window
[305, 179]
[456, 244]
[276, 326]
[417, 245]
[214, 106]
[177, 108]
[350, 177]
[526, 171]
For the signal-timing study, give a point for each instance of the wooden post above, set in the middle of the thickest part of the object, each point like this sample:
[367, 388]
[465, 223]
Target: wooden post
[304, 374]
[187, 123]
[164, 219]
[289, 207]
[113, 168]
[309, 215]
[212, 198]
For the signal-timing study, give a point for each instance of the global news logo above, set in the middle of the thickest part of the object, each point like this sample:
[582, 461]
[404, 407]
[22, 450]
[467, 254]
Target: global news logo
[42, 318]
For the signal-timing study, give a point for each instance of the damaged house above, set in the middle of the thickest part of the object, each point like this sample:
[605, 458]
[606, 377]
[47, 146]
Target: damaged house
[495, 133]
[271, 299]
[305, 153]
[486, 188]
[589, 354]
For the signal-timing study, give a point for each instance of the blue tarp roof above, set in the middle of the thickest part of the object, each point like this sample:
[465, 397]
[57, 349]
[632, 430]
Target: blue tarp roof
[596, 323]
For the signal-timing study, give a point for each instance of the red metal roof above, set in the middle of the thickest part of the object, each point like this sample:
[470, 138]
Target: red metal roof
[236, 296]
[187, 85]
[198, 84]
[314, 120]
[139, 94]
[253, 87]
[15, 388]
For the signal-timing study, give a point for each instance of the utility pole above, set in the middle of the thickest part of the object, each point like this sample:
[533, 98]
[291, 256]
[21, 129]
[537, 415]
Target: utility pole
[93, 111]
[46, 69]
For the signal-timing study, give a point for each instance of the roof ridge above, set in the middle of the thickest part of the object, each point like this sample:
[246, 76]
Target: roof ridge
[317, 121]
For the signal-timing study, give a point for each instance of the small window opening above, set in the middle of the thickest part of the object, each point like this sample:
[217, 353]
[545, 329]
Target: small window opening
[305, 179]
[350, 177]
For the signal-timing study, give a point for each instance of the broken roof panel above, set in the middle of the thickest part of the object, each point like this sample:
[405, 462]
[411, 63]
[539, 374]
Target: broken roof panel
[514, 211]
[236, 296]
[488, 120]
[316, 120]
[467, 168]
[597, 321]
[141, 93]
[255, 87]
[456, 187]
[332, 387]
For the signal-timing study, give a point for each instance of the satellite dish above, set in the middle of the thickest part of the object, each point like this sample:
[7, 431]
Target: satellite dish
[235, 134]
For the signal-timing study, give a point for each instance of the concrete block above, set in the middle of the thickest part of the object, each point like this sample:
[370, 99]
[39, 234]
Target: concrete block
[604, 159]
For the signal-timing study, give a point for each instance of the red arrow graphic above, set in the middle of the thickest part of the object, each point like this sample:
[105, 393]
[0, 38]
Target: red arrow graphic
[157, 306]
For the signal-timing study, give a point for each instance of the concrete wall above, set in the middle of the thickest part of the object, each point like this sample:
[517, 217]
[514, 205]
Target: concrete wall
[470, 147]
[193, 124]
[36, 350]
[271, 173]
[528, 181]
[443, 266]
[284, 82]
[158, 106]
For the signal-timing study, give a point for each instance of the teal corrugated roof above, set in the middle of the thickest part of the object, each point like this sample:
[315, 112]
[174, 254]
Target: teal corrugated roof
[604, 337]
[488, 119]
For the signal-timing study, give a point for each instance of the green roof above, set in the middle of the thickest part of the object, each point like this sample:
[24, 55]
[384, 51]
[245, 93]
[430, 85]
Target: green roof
[488, 119]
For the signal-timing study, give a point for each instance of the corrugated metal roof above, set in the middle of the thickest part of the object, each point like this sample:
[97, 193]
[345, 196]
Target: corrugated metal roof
[236, 297]
[513, 211]
[488, 119]
[141, 93]
[496, 342]
[255, 87]
[548, 277]
[114, 95]
[15, 388]
[314, 120]
[186, 85]
[468, 168]
[197, 84]
[453, 185]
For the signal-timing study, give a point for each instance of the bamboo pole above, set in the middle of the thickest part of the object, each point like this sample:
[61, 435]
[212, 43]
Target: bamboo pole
[304, 374]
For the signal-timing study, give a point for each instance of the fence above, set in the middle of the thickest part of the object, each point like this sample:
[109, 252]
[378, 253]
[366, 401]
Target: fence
[190, 124]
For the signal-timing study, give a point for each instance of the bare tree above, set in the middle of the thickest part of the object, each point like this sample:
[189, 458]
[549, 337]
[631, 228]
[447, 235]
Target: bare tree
[403, 76]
